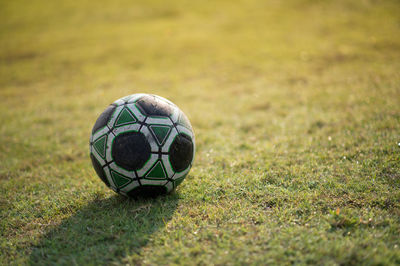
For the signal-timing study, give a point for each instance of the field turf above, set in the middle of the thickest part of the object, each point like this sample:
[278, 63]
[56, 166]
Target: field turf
[296, 109]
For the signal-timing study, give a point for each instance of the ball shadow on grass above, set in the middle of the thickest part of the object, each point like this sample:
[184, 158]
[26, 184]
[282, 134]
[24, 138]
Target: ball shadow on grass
[105, 231]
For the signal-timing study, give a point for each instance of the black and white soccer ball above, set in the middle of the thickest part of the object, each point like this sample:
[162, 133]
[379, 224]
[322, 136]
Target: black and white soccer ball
[142, 144]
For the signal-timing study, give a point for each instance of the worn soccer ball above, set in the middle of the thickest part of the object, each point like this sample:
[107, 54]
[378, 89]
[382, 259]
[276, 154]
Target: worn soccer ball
[142, 144]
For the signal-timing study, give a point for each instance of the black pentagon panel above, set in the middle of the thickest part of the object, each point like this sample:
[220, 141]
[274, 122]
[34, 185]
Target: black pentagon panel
[99, 170]
[131, 150]
[103, 118]
[181, 152]
[152, 106]
[147, 191]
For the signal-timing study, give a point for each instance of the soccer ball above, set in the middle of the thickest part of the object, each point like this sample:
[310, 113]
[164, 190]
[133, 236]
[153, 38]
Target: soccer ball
[142, 144]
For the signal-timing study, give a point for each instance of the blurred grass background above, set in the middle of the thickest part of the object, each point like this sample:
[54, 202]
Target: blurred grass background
[295, 106]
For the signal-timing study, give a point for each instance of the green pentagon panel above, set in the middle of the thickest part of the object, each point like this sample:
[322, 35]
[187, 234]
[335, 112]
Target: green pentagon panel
[160, 132]
[179, 180]
[125, 117]
[157, 171]
[119, 179]
[100, 145]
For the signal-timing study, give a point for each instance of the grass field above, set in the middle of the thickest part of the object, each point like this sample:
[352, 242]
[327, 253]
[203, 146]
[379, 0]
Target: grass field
[296, 110]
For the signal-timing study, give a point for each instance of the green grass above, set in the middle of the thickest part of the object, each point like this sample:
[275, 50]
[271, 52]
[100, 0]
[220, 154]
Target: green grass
[296, 110]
